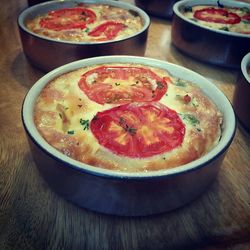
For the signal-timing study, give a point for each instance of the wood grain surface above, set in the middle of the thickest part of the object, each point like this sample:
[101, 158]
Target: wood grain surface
[32, 216]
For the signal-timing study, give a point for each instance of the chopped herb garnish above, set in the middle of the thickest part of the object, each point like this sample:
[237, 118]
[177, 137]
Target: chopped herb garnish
[159, 85]
[195, 102]
[245, 21]
[126, 127]
[191, 119]
[193, 19]
[84, 123]
[245, 9]
[117, 84]
[198, 129]
[188, 9]
[87, 30]
[60, 115]
[71, 132]
[224, 28]
[180, 83]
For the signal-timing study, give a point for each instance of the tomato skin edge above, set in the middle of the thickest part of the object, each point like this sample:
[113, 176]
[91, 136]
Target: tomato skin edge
[199, 14]
[136, 145]
[52, 21]
[133, 93]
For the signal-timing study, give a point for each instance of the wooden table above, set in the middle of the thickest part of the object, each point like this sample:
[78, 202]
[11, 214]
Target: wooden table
[32, 216]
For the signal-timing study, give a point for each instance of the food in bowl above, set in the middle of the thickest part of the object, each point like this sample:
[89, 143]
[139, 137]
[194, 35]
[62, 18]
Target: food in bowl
[122, 192]
[211, 45]
[47, 53]
[127, 117]
[241, 101]
[232, 19]
[87, 22]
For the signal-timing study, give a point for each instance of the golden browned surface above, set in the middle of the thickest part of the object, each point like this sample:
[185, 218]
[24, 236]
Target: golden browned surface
[61, 105]
[103, 13]
[34, 217]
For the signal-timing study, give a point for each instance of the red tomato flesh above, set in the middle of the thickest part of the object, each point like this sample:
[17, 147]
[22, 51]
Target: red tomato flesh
[246, 17]
[120, 84]
[107, 30]
[217, 15]
[68, 18]
[138, 130]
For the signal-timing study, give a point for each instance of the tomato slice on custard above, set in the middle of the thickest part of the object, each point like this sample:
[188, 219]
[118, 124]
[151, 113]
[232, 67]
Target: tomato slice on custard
[217, 15]
[246, 17]
[122, 84]
[138, 130]
[68, 18]
[107, 30]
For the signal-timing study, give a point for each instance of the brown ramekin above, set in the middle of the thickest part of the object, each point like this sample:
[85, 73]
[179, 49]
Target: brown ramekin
[121, 193]
[157, 8]
[47, 54]
[241, 100]
[217, 47]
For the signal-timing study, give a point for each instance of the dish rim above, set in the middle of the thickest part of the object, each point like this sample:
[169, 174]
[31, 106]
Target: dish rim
[26, 12]
[213, 154]
[228, 3]
[245, 63]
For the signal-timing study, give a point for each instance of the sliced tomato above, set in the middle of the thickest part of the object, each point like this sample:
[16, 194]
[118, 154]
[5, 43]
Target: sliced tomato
[246, 17]
[122, 84]
[138, 130]
[217, 15]
[107, 30]
[68, 18]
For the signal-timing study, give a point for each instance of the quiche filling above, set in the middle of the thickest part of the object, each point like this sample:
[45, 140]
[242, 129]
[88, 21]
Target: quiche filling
[127, 117]
[87, 23]
[232, 19]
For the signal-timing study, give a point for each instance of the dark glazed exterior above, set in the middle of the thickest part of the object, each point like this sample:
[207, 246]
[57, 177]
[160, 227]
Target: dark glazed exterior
[241, 100]
[158, 8]
[47, 54]
[207, 45]
[123, 196]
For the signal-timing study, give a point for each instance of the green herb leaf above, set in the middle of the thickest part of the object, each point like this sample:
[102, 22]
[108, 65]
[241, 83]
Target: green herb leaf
[84, 123]
[224, 28]
[87, 30]
[159, 85]
[245, 21]
[245, 9]
[126, 127]
[193, 19]
[191, 119]
[180, 83]
[187, 9]
[71, 132]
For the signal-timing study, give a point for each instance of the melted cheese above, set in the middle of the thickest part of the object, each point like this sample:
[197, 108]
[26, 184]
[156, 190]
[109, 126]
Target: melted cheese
[242, 27]
[63, 113]
[103, 13]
